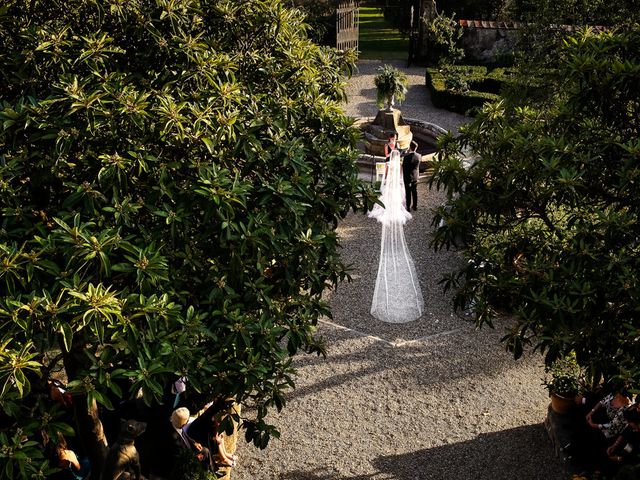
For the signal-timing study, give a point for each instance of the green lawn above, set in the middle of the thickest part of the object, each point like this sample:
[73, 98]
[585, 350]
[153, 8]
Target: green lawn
[378, 39]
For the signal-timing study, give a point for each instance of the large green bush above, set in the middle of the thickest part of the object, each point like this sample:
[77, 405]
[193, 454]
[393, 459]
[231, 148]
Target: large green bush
[482, 87]
[171, 173]
[475, 9]
[549, 209]
[483, 84]
[572, 12]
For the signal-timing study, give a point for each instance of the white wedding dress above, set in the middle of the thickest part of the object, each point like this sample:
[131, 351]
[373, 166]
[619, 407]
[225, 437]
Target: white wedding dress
[397, 297]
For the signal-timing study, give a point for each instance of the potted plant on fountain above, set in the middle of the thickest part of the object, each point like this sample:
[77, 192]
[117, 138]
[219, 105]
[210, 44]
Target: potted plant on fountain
[563, 379]
[391, 85]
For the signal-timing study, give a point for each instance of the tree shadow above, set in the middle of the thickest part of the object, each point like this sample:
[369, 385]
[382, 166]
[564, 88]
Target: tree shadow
[368, 92]
[325, 474]
[506, 455]
[425, 366]
[367, 109]
[416, 91]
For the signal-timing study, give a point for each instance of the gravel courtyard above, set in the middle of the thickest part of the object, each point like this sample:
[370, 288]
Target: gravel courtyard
[430, 399]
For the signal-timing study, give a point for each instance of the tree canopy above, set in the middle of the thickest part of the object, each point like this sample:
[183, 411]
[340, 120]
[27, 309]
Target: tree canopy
[171, 174]
[548, 209]
[571, 12]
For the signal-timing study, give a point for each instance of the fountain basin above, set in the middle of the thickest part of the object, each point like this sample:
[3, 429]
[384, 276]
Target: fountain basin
[424, 133]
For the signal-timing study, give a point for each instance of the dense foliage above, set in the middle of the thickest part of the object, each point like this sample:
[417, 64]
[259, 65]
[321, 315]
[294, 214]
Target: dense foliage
[171, 173]
[441, 35]
[572, 12]
[398, 12]
[548, 208]
[476, 9]
[546, 24]
[464, 88]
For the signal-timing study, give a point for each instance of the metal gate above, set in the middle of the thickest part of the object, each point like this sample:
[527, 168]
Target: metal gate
[347, 26]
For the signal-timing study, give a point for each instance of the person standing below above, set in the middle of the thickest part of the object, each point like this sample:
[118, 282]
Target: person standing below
[179, 440]
[411, 173]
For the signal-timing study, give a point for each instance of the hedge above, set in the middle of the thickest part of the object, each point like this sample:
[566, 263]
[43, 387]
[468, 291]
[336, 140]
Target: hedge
[484, 87]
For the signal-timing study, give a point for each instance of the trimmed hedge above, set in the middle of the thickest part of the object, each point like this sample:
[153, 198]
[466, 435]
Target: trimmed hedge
[484, 86]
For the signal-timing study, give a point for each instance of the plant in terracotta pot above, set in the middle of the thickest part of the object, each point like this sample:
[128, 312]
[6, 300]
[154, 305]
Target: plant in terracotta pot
[563, 379]
[391, 85]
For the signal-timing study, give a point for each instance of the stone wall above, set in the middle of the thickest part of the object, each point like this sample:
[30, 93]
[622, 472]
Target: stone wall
[485, 41]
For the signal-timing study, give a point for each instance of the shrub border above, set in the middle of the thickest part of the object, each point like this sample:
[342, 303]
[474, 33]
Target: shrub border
[471, 100]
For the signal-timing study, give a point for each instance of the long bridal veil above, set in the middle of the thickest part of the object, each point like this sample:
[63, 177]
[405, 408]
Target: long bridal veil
[397, 297]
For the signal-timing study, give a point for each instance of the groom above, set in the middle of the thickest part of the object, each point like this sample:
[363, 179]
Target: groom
[411, 172]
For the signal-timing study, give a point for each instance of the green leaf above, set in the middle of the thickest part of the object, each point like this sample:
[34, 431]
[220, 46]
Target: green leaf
[67, 336]
[209, 144]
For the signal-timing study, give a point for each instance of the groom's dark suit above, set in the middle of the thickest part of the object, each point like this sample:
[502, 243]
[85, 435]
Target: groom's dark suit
[411, 173]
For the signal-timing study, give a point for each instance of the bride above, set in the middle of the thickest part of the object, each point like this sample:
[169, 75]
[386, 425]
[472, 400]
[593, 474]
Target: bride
[397, 297]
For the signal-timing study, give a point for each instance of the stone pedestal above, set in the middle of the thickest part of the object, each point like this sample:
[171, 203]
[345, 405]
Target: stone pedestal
[377, 133]
[388, 119]
[573, 441]
[561, 430]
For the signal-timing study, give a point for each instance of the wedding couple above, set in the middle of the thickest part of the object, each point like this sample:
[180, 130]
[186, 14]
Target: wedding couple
[410, 169]
[397, 297]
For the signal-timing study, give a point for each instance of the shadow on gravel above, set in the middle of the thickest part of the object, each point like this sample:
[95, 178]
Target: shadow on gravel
[321, 474]
[450, 358]
[366, 110]
[505, 455]
[415, 91]
[368, 92]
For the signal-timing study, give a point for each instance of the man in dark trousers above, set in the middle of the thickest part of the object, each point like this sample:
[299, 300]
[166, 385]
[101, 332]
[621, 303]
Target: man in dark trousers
[411, 172]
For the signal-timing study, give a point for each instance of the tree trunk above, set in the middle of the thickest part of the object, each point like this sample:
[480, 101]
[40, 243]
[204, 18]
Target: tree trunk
[428, 11]
[88, 424]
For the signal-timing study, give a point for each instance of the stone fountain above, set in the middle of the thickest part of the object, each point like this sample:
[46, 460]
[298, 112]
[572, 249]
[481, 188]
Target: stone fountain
[376, 133]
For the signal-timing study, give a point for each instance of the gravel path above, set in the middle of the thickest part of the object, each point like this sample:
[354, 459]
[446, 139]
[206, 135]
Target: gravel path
[431, 399]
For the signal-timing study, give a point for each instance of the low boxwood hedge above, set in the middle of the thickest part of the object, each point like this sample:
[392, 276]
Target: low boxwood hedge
[484, 86]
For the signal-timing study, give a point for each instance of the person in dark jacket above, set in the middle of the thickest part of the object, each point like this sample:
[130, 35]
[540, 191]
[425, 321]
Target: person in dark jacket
[179, 439]
[411, 173]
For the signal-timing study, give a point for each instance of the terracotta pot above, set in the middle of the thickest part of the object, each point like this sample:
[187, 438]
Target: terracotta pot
[561, 403]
